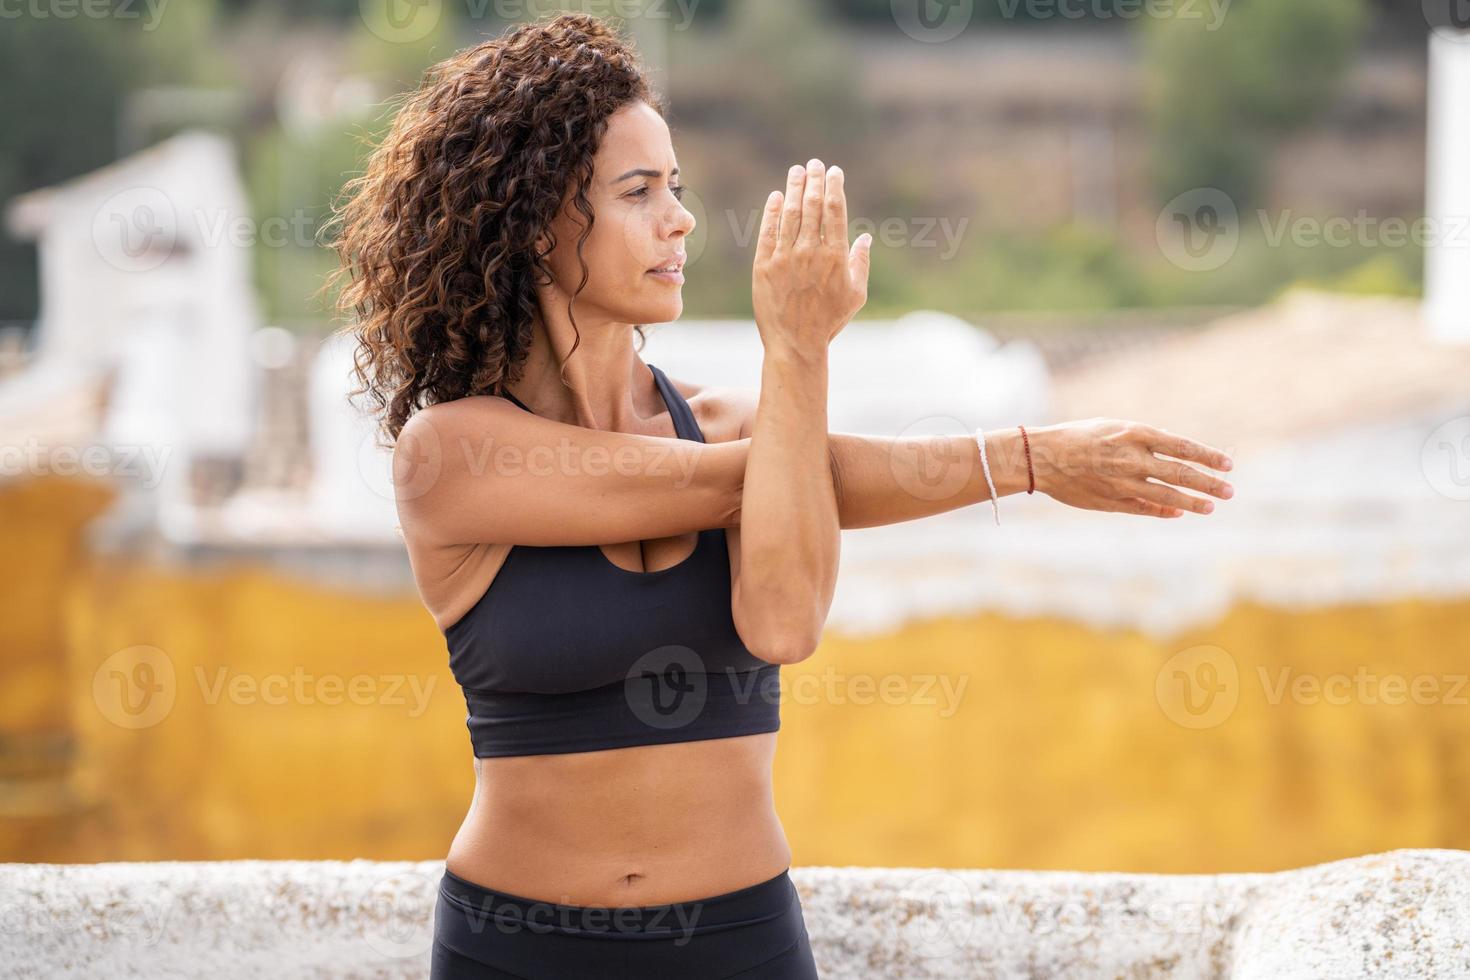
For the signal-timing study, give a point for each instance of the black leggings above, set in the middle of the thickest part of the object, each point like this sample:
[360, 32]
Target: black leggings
[758, 931]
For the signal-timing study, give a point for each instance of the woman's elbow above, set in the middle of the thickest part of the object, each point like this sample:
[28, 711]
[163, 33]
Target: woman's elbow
[779, 644]
[784, 652]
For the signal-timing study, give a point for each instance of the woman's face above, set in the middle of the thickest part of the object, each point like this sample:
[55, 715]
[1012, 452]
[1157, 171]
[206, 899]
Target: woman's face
[640, 226]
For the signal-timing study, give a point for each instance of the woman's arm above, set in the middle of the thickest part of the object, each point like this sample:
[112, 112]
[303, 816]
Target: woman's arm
[789, 541]
[479, 470]
[1094, 464]
[806, 285]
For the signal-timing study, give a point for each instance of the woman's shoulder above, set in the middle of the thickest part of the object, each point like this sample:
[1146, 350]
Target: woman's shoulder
[454, 413]
[724, 413]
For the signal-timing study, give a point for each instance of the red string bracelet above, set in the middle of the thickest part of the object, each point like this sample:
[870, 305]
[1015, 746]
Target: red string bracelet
[1030, 473]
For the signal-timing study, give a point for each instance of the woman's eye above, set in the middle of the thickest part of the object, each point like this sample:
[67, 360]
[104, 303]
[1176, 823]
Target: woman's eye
[643, 192]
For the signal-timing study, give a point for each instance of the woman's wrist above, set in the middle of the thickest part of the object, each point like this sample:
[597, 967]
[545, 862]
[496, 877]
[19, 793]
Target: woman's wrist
[797, 355]
[1014, 464]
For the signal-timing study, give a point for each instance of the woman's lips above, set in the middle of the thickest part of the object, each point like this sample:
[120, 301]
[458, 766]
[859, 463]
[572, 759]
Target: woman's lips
[676, 277]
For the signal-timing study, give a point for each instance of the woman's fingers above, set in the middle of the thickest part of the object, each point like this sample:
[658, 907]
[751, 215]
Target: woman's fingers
[1137, 505]
[1169, 497]
[811, 205]
[834, 219]
[1181, 474]
[1169, 444]
[770, 227]
[791, 210]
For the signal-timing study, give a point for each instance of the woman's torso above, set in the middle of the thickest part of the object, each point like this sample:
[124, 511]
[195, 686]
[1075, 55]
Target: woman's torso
[638, 825]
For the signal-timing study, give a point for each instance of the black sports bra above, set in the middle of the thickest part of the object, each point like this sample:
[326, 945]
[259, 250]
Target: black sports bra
[567, 652]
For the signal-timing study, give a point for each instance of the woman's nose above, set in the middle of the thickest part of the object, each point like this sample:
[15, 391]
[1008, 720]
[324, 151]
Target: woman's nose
[682, 220]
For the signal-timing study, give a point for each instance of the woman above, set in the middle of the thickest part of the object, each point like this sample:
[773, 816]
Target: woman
[621, 562]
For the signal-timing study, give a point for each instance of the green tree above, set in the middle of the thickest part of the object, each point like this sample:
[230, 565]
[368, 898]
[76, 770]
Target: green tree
[65, 83]
[1219, 99]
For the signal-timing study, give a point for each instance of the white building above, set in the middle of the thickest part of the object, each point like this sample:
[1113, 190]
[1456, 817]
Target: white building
[146, 294]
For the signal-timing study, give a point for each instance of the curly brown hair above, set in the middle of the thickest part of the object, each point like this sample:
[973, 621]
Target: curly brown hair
[439, 234]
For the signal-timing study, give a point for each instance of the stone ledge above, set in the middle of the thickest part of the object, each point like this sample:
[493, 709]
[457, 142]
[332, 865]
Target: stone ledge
[1403, 914]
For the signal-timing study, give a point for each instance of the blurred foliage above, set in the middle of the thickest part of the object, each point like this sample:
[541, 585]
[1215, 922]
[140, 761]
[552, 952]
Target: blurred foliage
[1385, 274]
[805, 93]
[1219, 99]
[1078, 268]
[1218, 102]
[66, 87]
[339, 10]
[291, 178]
[296, 170]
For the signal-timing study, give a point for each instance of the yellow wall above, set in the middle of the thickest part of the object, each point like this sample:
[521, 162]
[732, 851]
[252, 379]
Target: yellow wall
[1063, 750]
[1066, 752]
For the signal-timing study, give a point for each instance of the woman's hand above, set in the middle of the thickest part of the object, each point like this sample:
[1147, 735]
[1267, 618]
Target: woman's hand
[1109, 464]
[807, 284]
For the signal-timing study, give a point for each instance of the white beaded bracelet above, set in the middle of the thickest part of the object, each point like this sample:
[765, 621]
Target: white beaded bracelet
[985, 465]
